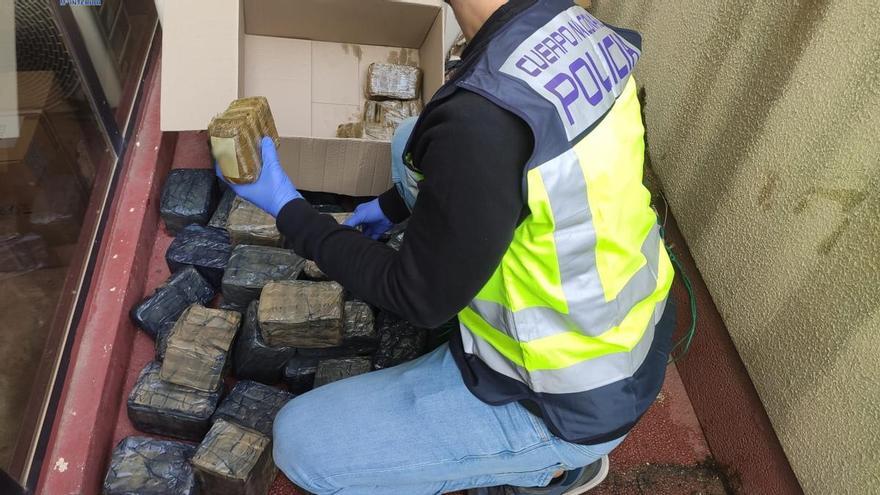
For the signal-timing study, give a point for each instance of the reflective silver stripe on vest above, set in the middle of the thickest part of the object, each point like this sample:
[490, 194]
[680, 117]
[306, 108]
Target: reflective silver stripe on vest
[580, 377]
[575, 239]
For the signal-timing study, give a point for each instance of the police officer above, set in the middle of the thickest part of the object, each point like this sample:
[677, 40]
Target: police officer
[528, 220]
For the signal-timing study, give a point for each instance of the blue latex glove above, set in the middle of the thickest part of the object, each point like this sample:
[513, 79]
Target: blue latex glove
[370, 216]
[272, 189]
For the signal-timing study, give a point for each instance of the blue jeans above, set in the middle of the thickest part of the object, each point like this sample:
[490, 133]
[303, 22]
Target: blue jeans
[416, 429]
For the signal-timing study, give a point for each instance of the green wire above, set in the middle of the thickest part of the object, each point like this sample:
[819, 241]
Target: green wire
[683, 345]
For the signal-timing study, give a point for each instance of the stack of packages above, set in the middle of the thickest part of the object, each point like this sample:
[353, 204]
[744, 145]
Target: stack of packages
[277, 326]
[393, 95]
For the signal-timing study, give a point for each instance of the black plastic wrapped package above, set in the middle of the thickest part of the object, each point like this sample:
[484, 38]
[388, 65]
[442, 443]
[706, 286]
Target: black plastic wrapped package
[252, 358]
[188, 196]
[221, 213]
[184, 288]
[399, 341]
[234, 460]
[148, 466]
[299, 374]
[162, 340]
[206, 249]
[252, 405]
[163, 408]
[252, 267]
[332, 370]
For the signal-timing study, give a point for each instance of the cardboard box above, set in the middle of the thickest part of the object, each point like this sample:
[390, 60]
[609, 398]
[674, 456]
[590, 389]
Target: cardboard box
[310, 59]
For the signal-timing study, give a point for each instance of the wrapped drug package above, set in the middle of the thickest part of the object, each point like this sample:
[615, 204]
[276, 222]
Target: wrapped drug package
[299, 313]
[206, 249]
[299, 374]
[252, 267]
[162, 340]
[221, 213]
[331, 370]
[188, 196]
[156, 406]
[359, 336]
[312, 272]
[350, 130]
[252, 405]
[399, 341]
[184, 288]
[236, 135]
[247, 224]
[393, 81]
[252, 358]
[198, 348]
[148, 466]
[381, 118]
[234, 460]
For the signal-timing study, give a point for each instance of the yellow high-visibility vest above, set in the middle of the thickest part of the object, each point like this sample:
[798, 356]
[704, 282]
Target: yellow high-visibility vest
[570, 320]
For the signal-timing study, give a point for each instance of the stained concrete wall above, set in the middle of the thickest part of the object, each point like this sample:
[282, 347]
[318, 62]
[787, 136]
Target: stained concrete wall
[764, 129]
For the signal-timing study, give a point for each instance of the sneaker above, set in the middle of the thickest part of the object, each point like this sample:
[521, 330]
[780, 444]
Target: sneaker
[572, 482]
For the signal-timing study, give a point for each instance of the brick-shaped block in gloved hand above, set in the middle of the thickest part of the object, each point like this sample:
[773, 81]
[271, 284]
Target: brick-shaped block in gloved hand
[252, 267]
[206, 249]
[299, 313]
[399, 341]
[331, 370]
[252, 405]
[184, 288]
[188, 196]
[149, 466]
[234, 460]
[252, 358]
[156, 406]
[198, 347]
[248, 224]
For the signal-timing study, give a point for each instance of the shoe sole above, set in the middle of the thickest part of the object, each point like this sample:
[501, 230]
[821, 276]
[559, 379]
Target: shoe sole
[596, 481]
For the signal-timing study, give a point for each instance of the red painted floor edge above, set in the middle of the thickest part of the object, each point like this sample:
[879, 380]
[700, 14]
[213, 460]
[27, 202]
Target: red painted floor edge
[81, 435]
[731, 414]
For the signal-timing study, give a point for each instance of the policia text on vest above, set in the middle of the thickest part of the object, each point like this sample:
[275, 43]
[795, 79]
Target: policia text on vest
[574, 61]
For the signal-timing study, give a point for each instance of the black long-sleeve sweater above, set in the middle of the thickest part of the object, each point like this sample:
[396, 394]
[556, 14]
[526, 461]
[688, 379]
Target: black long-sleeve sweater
[472, 154]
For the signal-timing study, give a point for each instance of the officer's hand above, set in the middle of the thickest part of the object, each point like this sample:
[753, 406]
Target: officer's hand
[370, 216]
[272, 189]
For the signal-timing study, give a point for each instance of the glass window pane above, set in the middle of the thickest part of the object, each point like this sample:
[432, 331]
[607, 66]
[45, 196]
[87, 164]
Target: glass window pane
[117, 38]
[55, 166]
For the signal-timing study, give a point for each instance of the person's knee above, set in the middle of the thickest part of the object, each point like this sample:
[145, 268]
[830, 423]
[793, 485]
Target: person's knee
[297, 446]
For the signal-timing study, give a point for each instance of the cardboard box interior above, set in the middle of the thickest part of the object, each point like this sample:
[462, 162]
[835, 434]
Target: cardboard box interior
[310, 59]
